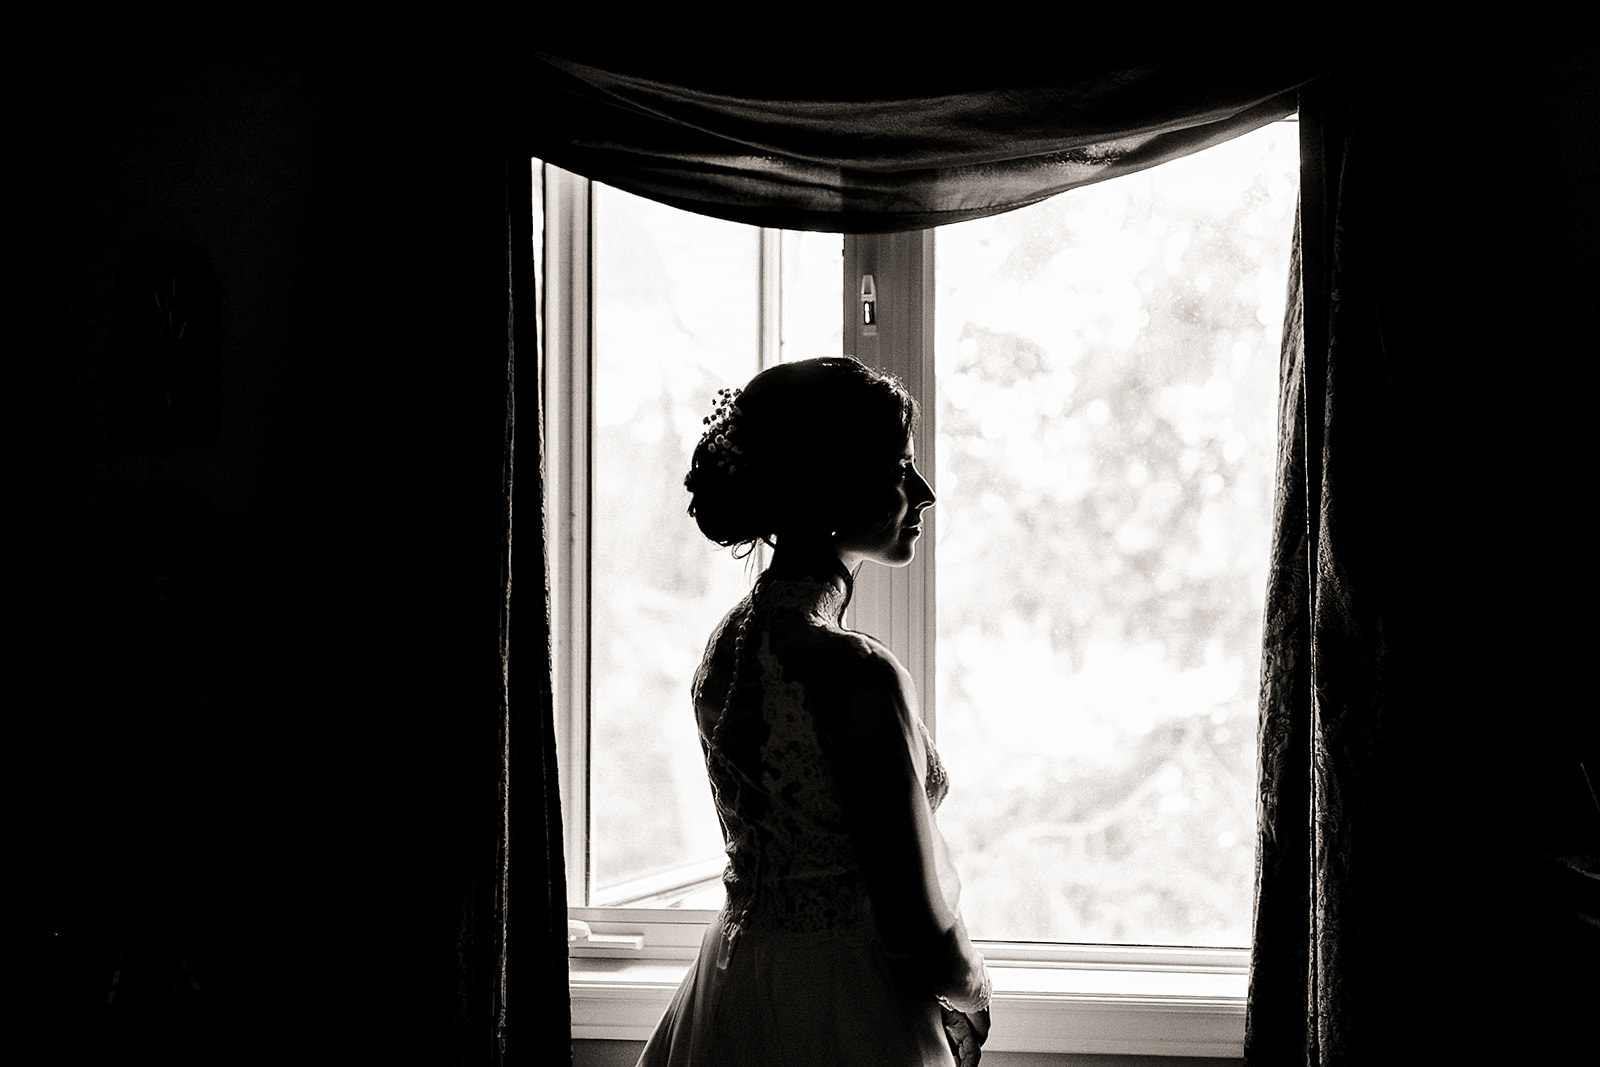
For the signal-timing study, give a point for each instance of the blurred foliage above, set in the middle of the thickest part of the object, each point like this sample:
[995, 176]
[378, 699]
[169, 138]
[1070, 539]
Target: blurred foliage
[1107, 397]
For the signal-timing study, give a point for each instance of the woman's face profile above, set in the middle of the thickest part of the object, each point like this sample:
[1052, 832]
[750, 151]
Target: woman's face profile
[890, 536]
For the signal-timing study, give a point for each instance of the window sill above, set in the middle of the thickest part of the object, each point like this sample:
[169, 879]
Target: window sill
[1152, 1002]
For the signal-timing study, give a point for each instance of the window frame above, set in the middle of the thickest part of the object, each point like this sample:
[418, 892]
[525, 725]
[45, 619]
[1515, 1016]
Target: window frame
[1104, 999]
[625, 962]
[566, 382]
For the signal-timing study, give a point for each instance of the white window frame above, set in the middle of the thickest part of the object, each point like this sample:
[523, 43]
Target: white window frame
[625, 963]
[896, 604]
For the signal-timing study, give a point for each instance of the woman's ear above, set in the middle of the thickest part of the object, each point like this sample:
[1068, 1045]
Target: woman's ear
[858, 509]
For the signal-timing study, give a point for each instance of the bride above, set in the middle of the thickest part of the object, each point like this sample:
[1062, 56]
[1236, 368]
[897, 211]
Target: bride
[840, 941]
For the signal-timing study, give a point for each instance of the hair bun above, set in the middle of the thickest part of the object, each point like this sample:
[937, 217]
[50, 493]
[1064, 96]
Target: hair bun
[796, 449]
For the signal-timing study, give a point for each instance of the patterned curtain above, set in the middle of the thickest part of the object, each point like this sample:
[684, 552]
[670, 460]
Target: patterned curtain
[1421, 890]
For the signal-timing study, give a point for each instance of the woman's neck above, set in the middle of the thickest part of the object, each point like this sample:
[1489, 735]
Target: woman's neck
[802, 559]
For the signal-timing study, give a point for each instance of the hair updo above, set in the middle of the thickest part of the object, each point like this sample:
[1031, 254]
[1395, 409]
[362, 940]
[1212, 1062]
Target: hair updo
[807, 447]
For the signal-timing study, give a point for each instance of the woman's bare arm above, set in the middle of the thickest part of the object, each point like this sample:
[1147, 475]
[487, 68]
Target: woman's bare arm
[866, 715]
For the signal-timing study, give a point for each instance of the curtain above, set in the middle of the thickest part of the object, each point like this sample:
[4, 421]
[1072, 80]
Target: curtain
[1419, 895]
[959, 130]
[532, 1006]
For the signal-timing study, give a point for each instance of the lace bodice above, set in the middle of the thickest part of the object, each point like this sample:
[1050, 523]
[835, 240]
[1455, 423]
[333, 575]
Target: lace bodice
[791, 862]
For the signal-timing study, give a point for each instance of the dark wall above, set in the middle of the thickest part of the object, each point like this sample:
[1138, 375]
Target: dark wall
[252, 471]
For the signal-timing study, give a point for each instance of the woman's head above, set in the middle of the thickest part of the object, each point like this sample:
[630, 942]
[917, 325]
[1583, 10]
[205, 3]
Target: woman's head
[806, 449]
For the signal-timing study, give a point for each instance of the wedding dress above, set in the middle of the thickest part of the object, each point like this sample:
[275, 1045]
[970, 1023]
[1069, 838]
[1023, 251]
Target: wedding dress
[794, 971]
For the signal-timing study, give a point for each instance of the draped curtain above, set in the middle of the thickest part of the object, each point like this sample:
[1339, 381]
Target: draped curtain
[885, 147]
[1420, 887]
[529, 1002]
[1419, 764]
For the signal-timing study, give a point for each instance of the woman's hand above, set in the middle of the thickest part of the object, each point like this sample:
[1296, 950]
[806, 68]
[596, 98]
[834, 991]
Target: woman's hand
[974, 998]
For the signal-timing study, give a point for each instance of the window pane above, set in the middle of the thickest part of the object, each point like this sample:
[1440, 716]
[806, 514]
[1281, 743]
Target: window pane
[677, 303]
[811, 309]
[1107, 380]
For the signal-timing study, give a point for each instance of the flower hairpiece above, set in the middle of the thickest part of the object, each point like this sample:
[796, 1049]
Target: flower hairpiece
[719, 434]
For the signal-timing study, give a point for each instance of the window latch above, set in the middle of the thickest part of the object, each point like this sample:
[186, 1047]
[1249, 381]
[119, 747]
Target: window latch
[581, 936]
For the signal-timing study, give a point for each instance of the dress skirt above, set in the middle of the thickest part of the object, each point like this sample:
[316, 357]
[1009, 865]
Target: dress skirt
[788, 999]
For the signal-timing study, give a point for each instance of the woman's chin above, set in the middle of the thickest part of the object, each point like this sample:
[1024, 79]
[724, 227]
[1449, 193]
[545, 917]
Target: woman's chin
[889, 548]
[899, 556]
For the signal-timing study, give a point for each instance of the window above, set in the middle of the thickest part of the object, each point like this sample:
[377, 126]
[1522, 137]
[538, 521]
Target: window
[1098, 375]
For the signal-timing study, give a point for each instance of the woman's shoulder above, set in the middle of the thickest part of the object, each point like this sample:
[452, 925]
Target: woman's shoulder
[849, 653]
[855, 677]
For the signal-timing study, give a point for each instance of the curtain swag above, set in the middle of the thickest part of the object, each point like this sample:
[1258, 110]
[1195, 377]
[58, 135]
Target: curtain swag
[816, 152]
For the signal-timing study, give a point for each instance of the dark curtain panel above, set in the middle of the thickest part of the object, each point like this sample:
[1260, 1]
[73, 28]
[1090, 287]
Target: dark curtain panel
[283, 718]
[533, 1006]
[1420, 891]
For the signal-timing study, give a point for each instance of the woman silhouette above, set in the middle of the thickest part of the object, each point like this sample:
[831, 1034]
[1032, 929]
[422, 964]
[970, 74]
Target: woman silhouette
[840, 941]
